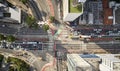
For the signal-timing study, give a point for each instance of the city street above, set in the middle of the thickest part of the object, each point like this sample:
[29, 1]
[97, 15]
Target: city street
[23, 33]
[7, 29]
[43, 6]
[36, 11]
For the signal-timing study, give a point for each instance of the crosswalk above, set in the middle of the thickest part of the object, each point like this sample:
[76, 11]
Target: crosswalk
[31, 59]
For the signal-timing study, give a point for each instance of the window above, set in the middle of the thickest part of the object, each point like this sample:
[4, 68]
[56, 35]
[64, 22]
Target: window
[7, 14]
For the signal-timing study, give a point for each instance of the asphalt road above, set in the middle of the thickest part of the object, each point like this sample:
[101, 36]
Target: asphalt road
[6, 29]
[36, 11]
[23, 33]
[43, 6]
[97, 30]
[30, 31]
[98, 45]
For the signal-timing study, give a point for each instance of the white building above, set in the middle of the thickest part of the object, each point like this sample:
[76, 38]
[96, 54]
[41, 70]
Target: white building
[70, 16]
[15, 14]
[9, 14]
[109, 62]
[82, 1]
[90, 18]
[76, 63]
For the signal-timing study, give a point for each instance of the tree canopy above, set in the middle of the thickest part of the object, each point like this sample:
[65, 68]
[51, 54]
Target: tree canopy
[24, 1]
[45, 27]
[10, 38]
[31, 22]
[52, 18]
[18, 64]
[2, 37]
[117, 38]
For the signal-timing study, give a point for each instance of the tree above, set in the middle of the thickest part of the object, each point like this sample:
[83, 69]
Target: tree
[24, 1]
[2, 37]
[52, 18]
[35, 26]
[30, 21]
[45, 27]
[17, 64]
[10, 38]
[117, 38]
[1, 59]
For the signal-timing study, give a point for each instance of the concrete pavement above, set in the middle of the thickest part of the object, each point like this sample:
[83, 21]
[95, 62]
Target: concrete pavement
[51, 7]
[20, 5]
[30, 58]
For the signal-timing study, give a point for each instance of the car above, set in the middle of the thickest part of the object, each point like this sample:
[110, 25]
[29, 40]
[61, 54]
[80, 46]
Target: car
[99, 36]
[75, 33]
[3, 25]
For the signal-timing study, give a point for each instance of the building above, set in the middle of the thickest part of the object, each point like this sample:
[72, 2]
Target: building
[116, 11]
[9, 14]
[107, 13]
[96, 12]
[90, 18]
[109, 62]
[72, 9]
[93, 62]
[92, 59]
[92, 13]
[108, 16]
[76, 63]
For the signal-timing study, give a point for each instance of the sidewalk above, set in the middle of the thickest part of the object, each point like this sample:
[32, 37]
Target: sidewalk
[51, 66]
[19, 4]
[51, 7]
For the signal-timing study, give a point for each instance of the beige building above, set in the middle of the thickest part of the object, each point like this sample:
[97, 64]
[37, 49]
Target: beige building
[76, 63]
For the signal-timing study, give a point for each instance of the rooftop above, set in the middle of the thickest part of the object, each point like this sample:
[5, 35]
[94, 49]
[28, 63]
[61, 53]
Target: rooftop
[13, 14]
[71, 10]
[88, 56]
[110, 57]
[107, 14]
[117, 16]
[118, 1]
[105, 3]
[75, 9]
[75, 58]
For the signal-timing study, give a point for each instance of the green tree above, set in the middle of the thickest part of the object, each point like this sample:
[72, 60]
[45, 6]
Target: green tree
[117, 38]
[2, 37]
[10, 38]
[24, 1]
[30, 21]
[35, 26]
[18, 65]
[1, 59]
[52, 18]
[45, 27]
